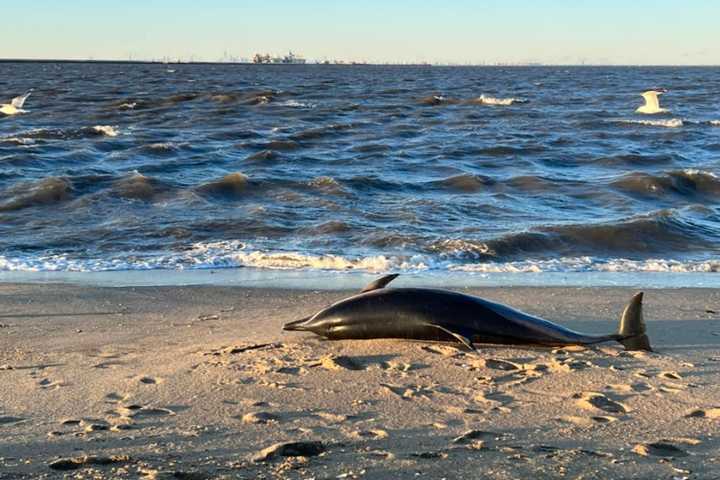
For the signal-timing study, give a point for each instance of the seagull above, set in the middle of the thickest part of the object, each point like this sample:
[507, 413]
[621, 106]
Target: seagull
[15, 105]
[652, 102]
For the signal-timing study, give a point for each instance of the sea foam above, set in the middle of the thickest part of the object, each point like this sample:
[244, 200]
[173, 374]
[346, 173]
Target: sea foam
[487, 100]
[668, 123]
[106, 130]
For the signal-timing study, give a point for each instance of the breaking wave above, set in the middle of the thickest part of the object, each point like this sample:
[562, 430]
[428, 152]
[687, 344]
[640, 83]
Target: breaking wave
[669, 123]
[487, 100]
[66, 133]
[234, 254]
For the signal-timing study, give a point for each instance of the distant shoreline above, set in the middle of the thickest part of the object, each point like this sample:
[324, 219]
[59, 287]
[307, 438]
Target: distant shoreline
[479, 65]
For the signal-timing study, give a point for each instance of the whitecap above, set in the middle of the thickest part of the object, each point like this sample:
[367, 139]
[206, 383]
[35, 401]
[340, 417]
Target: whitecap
[667, 123]
[17, 140]
[487, 100]
[296, 104]
[106, 130]
[694, 172]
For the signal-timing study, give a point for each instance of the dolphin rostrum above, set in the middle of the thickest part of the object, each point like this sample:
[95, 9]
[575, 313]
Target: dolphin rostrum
[443, 315]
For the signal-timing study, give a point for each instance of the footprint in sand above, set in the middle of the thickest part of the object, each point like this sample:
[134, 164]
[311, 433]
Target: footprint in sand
[586, 422]
[402, 367]
[10, 420]
[140, 411]
[669, 387]
[259, 418]
[496, 364]
[152, 412]
[567, 365]
[518, 372]
[712, 412]
[70, 422]
[444, 350]
[374, 434]
[121, 423]
[659, 449]
[291, 370]
[47, 384]
[637, 387]
[147, 380]
[670, 375]
[408, 392]
[281, 385]
[249, 402]
[494, 398]
[114, 397]
[603, 419]
[641, 387]
[333, 362]
[598, 401]
[334, 417]
[439, 455]
[479, 438]
[95, 426]
[463, 411]
[634, 354]
[109, 364]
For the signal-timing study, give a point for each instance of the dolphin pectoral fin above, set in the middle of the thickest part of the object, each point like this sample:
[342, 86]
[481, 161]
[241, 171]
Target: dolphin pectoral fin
[459, 336]
[380, 283]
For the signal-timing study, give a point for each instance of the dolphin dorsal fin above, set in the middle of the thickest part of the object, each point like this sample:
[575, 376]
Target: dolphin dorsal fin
[380, 283]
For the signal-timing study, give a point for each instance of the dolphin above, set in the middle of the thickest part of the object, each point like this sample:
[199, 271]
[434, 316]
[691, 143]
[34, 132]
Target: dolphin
[444, 315]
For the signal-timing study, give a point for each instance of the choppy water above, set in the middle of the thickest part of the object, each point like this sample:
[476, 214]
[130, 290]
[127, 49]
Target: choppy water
[323, 167]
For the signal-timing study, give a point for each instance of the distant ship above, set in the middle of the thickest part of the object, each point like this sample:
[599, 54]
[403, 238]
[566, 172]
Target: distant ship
[289, 59]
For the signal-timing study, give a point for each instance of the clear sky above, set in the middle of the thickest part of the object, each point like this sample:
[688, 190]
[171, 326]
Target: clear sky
[456, 31]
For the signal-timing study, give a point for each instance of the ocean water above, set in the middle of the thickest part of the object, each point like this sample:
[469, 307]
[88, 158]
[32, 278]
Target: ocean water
[359, 168]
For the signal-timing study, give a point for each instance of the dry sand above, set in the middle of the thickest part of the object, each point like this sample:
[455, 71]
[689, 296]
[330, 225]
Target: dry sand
[200, 382]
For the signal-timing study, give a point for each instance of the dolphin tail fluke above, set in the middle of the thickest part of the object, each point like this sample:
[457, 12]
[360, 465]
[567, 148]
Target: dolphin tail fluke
[632, 330]
[297, 325]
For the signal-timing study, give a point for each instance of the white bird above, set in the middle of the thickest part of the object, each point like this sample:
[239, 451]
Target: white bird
[15, 105]
[652, 103]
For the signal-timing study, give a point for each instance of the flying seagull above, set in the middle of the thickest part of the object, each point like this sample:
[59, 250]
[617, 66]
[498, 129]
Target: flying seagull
[652, 102]
[15, 105]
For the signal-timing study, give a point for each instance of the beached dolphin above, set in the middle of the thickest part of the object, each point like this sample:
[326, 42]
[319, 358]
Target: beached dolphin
[443, 315]
[15, 106]
[652, 103]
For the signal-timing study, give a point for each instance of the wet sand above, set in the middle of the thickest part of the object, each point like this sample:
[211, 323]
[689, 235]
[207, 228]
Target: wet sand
[200, 382]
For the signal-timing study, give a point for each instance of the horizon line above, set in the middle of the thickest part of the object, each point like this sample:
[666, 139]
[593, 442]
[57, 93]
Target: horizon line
[341, 63]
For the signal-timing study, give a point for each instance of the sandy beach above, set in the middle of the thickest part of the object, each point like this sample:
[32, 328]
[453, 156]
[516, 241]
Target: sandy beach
[200, 382]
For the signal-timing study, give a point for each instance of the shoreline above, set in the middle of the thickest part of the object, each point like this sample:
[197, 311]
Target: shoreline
[354, 279]
[196, 381]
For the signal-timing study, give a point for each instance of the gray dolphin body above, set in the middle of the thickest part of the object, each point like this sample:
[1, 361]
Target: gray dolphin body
[443, 315]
